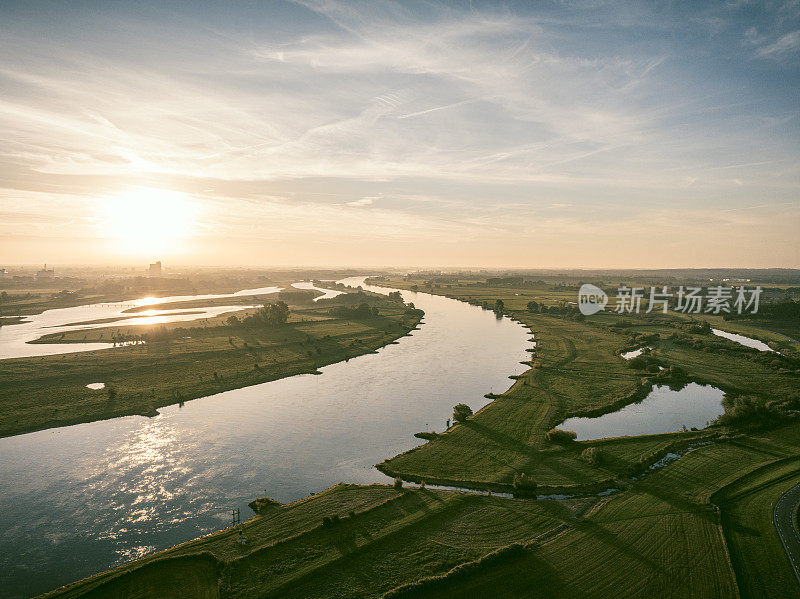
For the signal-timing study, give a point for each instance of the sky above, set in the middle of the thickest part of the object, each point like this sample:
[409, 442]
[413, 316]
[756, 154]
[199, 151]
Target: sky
[595, 134]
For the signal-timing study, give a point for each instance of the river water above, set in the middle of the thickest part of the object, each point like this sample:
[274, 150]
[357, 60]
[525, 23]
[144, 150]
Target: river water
[80, 499]
[14, 338]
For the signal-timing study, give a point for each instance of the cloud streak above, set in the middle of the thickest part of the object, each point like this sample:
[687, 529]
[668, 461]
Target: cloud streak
[444, 119]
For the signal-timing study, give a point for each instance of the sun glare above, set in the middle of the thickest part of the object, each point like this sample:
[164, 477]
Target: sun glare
[148, 221]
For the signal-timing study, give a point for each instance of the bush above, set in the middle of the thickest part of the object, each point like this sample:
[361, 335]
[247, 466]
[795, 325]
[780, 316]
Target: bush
[328, 521]
[749, 410]
[398, 483]
[269, 315]
[523, 483]
[593, 456]
[461, 412]
[557, 435]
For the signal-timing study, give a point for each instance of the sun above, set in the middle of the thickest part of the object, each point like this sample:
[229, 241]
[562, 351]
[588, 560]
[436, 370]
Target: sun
[147, 221]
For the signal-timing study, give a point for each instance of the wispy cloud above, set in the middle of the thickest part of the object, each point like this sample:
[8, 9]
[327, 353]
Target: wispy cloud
[784, 45]
[445, 119]
[362, 202]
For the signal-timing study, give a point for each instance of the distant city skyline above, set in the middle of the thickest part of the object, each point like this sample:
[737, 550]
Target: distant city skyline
[453, 134]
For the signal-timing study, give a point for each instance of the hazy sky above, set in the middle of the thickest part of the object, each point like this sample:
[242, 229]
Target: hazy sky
[531, 134]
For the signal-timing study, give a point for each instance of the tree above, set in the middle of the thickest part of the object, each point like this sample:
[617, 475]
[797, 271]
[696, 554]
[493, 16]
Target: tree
[274, 314]
[461, 412]
[557, 435]
[499, 305]
[533, 306]
[750, 410]
[593, 455]
[363, 310]
[522, 483]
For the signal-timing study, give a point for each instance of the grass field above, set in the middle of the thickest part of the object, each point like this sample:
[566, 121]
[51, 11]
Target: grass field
[386, 539]
[746, 505]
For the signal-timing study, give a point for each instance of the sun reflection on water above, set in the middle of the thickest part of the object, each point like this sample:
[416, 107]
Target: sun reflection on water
[141, 480]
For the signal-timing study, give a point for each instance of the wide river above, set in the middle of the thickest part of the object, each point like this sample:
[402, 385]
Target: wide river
[80, 499]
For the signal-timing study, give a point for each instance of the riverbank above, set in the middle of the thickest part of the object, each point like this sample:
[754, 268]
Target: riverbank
[578, 372]
[184, 361]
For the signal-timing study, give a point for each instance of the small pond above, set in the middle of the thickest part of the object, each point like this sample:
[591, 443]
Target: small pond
[629, 355]
[662, 411]
[742, 340]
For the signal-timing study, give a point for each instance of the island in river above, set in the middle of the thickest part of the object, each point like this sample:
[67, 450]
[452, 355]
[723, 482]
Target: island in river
[150, 366]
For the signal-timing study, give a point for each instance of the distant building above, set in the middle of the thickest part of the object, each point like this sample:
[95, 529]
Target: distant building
[155, 269]
[4, 273]
[45, 274]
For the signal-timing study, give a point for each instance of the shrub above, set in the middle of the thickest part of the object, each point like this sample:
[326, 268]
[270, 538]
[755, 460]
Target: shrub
[593, 456]
[461, 412]
[637, 363]
[523, 483]
[557, 435]
[749, 410]
[328, 521]
[269, 315]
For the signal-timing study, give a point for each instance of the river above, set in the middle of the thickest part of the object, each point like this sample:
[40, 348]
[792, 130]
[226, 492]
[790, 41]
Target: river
[81, 499]
[14, 338]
